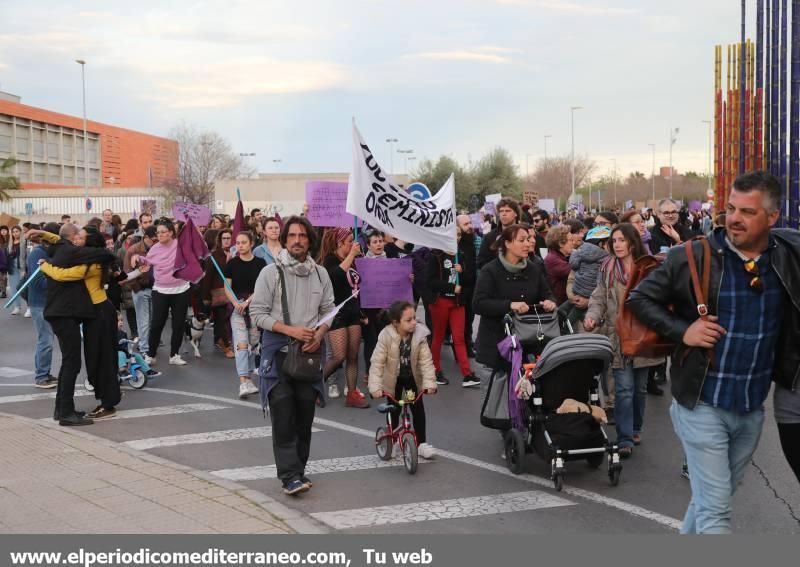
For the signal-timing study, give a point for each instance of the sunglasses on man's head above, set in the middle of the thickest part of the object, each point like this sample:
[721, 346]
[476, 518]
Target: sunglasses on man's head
[756, 284]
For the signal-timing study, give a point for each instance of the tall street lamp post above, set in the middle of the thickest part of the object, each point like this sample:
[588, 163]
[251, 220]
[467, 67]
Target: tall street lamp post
[673, 137]
[572, 129]
[82, 63]
[710, 167]
[653, 171]
[391, 142]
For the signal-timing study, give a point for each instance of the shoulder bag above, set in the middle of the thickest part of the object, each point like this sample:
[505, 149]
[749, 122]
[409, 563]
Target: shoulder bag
[298, 365]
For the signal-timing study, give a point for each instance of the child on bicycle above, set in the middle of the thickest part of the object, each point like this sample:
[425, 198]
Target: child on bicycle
[123, 354]
[402, 360]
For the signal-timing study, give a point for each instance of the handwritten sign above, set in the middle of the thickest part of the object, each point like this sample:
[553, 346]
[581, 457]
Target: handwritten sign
[384, 281]
[477, 221]
[200, 214]
[531, 198]
[326, 204]
[548, 205]
[490, 208]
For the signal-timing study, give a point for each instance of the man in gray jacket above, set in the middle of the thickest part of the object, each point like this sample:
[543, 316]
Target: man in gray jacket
[309, 295]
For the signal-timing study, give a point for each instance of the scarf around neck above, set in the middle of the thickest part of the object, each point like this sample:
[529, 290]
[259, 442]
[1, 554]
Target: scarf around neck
[513, 268]
[294, 267]
[371, 255]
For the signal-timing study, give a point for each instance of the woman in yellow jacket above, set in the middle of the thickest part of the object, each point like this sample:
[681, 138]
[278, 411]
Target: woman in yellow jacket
[402, 360]
[99, 334]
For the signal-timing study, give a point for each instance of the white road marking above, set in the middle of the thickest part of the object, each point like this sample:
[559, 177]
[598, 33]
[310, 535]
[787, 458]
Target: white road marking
[441, 509]
[200, 438]
[632, 509]
[43, 396]
[162, 410]
[29, 385]
[342, 464]
[11, 372]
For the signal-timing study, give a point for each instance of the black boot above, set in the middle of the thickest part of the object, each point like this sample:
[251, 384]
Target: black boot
[57, 414]
[652, 387]
[74, 419]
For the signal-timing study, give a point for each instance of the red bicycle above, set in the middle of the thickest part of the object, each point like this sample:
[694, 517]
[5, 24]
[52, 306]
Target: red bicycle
[404, 434]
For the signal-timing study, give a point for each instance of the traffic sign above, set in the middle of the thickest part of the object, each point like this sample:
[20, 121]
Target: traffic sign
[419, 190]
[88, 205]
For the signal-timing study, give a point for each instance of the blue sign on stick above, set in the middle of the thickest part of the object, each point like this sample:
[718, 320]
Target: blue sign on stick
[88, 204]
[419, 190]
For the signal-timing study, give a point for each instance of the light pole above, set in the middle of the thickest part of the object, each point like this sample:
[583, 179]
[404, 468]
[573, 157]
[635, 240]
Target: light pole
[527, 170]
[82, 63]
[276, 163]
[653, 172]
[615, 180]
[408, 159]
[709, 152]
[572, 129]
[391, 142]
[545, 149]
[673, 137]
[246, 155]
[406, 152]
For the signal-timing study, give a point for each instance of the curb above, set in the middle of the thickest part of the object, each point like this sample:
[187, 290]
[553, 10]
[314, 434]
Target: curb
[298, 521]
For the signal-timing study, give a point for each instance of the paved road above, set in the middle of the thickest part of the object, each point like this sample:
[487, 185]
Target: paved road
[191, 415]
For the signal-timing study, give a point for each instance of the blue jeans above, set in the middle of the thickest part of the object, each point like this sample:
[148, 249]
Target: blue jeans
[142, 304]
[718, 445]
[245, 342]
[630, 393]
[44, 344]
[122, 360]
[13, 283]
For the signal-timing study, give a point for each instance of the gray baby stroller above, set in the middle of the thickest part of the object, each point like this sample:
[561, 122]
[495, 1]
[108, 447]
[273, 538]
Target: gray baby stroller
[570, 367]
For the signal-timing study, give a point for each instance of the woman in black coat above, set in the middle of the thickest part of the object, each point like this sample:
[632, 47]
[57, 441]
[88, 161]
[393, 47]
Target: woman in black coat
[511, 282]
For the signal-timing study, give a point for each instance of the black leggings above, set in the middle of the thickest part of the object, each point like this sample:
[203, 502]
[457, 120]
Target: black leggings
[163, 304]
[417, 409]
[790, 442]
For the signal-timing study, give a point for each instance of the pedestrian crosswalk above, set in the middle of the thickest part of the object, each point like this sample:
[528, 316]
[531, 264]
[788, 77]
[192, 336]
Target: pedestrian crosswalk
[350, 467]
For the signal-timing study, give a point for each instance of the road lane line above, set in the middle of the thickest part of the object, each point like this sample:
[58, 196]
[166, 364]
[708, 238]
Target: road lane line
[163, 410]
[34, 397]
[341, 464]
[632, 509]
[201, 438]
[441, 509]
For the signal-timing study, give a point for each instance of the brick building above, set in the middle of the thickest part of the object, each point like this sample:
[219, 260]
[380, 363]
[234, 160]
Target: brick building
[48, 147]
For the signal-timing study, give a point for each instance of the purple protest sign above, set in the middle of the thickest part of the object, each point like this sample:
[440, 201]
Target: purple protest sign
[490, 208]
[695, 205]
[201, 215]
[384, 281]
[326, 204]
[477, 221]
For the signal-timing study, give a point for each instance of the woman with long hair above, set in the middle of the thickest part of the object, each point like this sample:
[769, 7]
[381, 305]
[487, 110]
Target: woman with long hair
[337, 254]
[170, 293]
[630, 373]
[213, 288]
[269, 249]
[17, 253]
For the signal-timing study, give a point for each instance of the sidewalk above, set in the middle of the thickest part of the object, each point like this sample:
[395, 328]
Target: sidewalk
[60, 480]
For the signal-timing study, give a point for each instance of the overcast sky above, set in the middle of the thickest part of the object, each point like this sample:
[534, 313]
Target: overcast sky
[458, 77]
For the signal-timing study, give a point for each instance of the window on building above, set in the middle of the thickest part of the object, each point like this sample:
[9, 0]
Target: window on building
[79, 149]
[67, 153]
[23, 145]
[93, 150]
[24, 171]
[38, 143]
[54, 174]
[52, 146]
[39, 173]
[69, 175]
[5, 138]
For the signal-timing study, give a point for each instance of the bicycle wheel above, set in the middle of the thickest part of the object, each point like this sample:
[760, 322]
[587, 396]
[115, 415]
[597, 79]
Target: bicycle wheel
[383, 444]
[138, 379]
[410, 457]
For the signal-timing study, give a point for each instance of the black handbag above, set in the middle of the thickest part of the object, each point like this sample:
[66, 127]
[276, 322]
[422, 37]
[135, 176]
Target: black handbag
[536, 329]
[298, 365]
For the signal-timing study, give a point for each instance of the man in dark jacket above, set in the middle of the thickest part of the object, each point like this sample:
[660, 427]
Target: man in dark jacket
[467, 259]
[668, 232]
[68, 305]
[508, 212]
[729, 346]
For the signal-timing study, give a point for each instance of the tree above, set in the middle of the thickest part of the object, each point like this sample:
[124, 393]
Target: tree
[553, 178]
[204, 157]
[8, 182]
[497, 173]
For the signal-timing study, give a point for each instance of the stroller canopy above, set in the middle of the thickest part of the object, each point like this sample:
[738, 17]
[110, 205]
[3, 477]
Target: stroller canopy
[575, 347]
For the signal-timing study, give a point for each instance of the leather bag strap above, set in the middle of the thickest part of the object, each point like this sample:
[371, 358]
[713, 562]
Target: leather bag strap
[700, 291]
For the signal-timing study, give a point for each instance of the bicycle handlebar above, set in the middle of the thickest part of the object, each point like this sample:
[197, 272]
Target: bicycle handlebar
[393, 399]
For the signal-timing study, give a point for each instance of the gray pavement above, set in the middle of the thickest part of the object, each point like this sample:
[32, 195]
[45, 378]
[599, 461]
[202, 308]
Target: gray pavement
[191, 417]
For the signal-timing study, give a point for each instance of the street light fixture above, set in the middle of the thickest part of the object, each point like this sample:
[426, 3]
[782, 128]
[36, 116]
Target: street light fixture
[653, 172]
[546, 136]
[276, 162]
[391, 142]
[572, 128]
[82, 63]
[709, 153]
[408, 159]
[406, 154]
[673, 137]
[615, 180]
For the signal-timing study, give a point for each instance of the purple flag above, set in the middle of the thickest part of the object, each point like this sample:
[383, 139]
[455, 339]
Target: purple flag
[191, 249]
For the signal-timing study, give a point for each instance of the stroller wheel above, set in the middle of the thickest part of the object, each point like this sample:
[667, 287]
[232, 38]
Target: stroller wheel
[558, 482]
[613, 476]
[515, 451]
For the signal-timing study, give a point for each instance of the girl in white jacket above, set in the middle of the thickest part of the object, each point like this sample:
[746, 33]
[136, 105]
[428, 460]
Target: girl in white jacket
[402, 360]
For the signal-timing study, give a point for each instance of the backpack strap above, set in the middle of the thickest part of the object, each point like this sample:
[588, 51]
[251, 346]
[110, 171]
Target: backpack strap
[700, 290]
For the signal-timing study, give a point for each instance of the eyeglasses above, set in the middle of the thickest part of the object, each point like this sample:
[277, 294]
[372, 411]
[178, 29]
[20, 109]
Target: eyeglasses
[756, 284]
[669, 213]
[603, 223]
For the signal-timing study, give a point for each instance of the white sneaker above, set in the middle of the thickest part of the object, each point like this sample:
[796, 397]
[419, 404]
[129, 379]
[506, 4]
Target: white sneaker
[27, 313]
[333, 391]
[251, 388]
[176, 360]
[15, 311]
[426, 451]
[243, 393]
[148, 360]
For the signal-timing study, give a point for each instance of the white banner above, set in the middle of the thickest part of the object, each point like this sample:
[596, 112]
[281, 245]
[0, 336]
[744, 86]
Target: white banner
[373, 198]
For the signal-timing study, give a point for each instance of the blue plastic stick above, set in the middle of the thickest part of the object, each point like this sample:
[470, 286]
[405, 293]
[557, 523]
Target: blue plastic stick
[26, 284]
[224, 279]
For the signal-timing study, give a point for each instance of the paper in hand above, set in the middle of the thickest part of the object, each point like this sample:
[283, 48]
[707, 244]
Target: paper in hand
[133, 274]
[332, 315]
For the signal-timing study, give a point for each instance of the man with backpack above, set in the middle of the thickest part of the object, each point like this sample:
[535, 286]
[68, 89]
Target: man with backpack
[734, 333]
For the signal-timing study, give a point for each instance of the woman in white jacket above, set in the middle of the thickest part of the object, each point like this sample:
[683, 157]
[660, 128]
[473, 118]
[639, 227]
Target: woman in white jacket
[402, 360]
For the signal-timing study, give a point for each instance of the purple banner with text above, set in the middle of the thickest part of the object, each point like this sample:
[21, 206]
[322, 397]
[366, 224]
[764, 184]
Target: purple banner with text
[384, 281]
[326, 204]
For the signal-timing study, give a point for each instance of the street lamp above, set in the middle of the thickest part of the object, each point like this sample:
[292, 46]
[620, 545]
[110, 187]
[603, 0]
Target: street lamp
[408, 159]
[391, 142]
[709, 153]
[82, 63]
[406, 153]
[545, 149]
[572, 128]
[246, 155]
[615, 180]
[276, 162]
[673, 137]
[653, 172]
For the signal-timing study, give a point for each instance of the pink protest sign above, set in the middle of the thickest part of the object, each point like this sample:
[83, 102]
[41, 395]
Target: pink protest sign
[200, 214]
[384, 281]
[326, 204]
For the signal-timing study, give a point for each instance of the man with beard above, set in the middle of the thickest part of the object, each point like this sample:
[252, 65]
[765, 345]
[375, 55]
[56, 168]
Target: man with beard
[466, 253]
[308, 297]
[508, 212]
